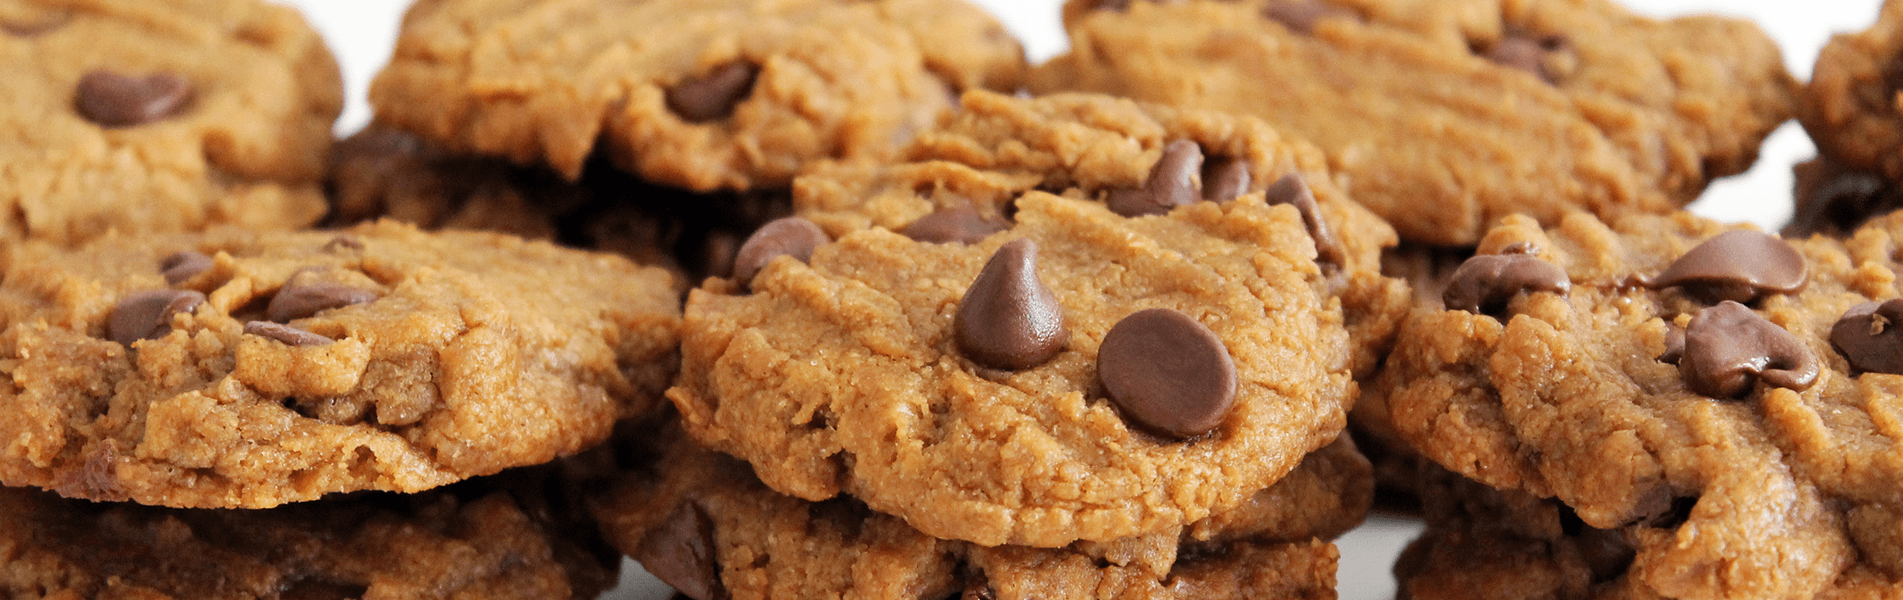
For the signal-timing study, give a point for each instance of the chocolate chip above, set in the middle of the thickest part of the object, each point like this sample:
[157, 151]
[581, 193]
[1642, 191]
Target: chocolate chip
[1527, 53]
[181, 266]
[1674, 344]
[681, 553]
[1738, 265]
[1224, 179]
[713, 96]
[285, 333]
[1484, 284]
[785, 236]
[1172, 183]
[294, 302]
[1300, 16]
[1008, 319]
[1870, 336]
[148, 315]
[1169, 374]
[1110, 5]
[961, 224]
[1292, 189]
[115, 100]
[1728, 347]
[344, 242]
[977, 587]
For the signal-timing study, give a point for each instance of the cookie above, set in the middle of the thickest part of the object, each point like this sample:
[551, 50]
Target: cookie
[1834, 199]
[508, 538]
[1719, 396]
[1443, 117]
[160, 116]
[1849, 108]
[703, 523]
[702, 96]
[244, 369]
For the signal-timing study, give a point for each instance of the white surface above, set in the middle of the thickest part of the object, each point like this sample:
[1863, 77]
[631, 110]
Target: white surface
[362, 32]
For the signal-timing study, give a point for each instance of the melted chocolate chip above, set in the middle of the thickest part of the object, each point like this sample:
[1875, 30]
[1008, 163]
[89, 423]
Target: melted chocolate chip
[713, 96]
[1728, 347]
[148, 315]
[116, 100]
[1292, 189]
[285, 333]
[1300, 16]
[1172, 183]
[294, 302]
[1224, 179]
[681, 553]
[182, 266]
[1484, 284]
[1008, 319]
[961, 224]
[1870, 336]
[1168, 373]
[1738, 265]
[1674, 344]
[344, 243]
[1527, 53]
[785, 236]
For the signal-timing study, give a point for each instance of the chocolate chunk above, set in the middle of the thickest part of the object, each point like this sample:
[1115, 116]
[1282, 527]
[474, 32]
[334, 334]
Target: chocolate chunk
[181, 266]
[1728, 347]
[1008, 319]
[788, 236]
[1869, 336]
[1738, 265]
[961, 224]
[115, 100]
[294, 302]
[1484, 284]
[1300, 16]
[1169, 374]
[1674, 344]
[681, 553]
[148, 315]
[1292, 189]
[1173, 182]
[285, 333]
[713, 96]
[1834, 199]
[1224, 179]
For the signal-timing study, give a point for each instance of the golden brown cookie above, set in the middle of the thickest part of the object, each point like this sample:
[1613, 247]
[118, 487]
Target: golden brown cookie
[1719, 396]
[723, 95]
[703, 523]
[244, 369]
[508, 536]
[1444, 115]
[1850, 105]
[160, 115]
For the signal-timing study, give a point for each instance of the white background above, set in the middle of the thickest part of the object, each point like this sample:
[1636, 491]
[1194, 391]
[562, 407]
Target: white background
[361, 33]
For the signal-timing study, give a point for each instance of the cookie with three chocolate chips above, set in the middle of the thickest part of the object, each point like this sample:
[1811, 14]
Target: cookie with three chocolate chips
[243, 369]
[160, 116]
[1718, 400]
[1447, 115]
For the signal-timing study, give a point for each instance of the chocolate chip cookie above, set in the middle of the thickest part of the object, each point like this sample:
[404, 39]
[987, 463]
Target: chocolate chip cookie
[724, 95]
[160, 116]
[1850, 105]
[703, 523]
[1443, 117]
[507, 538]
[245, 369]
[1718, 397]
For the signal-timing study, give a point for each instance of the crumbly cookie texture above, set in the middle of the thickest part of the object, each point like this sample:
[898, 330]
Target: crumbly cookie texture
[244, 369]
[997, 148]
[505, 539]
[1850, 105]
[702, 522]
[699, 95]
[160, 116]
[856, 373]
[1737, 427]
[1443, 116]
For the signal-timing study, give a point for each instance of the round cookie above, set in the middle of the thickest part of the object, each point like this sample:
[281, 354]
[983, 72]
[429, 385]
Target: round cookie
[244, 369]
[1443, 116]
[723, 95]
[499, 537]
[1692, 387]
[162, 116]
[703, 523]
[1850, 105]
